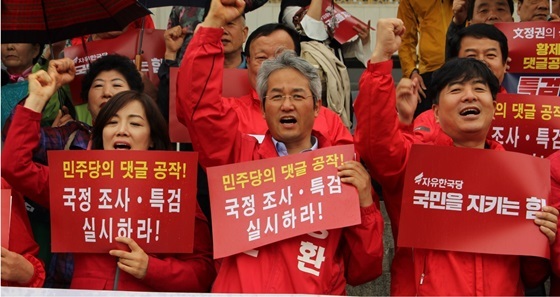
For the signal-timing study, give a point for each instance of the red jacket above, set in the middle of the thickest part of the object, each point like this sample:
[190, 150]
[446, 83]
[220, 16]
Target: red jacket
[185, 273]
[353, 254]
[385, 148]
[22, 242]
[555, 201]
[248, 107]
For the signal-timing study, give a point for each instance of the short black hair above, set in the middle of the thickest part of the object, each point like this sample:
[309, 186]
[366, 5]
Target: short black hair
[478, 31]
[159, 133]
[462, 70]
[121, 64]
[268, 29]
[470, 8]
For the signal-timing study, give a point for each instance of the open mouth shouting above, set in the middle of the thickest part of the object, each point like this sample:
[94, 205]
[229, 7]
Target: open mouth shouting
[288, 121]
[121, 145]
[470, 112]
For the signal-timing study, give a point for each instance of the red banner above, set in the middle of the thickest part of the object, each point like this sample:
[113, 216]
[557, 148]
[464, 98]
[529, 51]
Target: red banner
[527, 124]
[533, 46]
[487, 206]
[340, 22]
[149, 196]
[235, 84]
[153, 49]
[265, 201]
[6, 216]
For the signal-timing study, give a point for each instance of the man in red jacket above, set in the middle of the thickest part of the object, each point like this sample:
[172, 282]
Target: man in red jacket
[465, 93]
[290, 90]
[262, 44]
[479, 41]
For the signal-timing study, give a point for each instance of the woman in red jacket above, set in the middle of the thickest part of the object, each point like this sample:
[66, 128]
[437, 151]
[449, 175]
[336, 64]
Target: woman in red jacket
[130, 120]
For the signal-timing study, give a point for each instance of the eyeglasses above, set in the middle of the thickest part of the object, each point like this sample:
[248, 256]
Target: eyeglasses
[281, 98]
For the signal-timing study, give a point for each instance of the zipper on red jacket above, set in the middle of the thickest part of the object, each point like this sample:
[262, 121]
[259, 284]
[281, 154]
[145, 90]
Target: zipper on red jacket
[423, 270]
[423, 274]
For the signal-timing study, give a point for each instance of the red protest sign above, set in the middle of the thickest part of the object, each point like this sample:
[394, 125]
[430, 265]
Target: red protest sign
[6, 216]
[235, 84]
[340, 22]
[149, 196]
[487, 206]
[527, 124]
[260, 202]
[153, 49]
[533, 46]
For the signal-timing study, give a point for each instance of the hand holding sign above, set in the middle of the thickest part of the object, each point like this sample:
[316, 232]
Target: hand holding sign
[15, 267]
[547, 220]
[134, 262]
[363, 32]
[470, 210]
[288, 196]
[354, 173]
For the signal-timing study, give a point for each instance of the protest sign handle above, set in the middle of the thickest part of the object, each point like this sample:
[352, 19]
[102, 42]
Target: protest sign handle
[138, 62]
[117, 274]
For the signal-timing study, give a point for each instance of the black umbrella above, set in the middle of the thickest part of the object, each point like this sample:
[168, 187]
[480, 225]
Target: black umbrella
[49, 21]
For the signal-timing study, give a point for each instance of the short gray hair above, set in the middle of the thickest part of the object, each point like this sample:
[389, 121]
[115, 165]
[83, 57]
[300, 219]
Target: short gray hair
[288, 60]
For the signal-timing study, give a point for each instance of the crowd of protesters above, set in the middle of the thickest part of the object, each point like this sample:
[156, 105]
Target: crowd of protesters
[461, 62]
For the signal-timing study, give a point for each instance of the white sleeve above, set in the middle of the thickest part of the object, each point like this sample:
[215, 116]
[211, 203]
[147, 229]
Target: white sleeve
[314, 29]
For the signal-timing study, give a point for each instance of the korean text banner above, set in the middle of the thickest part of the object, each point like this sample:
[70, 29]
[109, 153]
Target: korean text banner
[153, 49]
[527, 124]
[260, 202]
[6, 216]
[534, 47]
[149, 196]
[474, 200]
